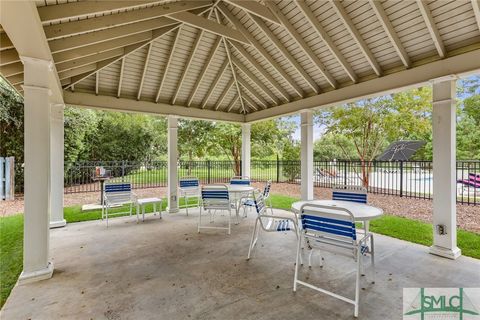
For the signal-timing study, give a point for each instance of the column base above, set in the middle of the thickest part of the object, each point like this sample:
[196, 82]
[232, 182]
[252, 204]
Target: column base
[173, 210]
[58, 224]
[445, 252]
[43, 274]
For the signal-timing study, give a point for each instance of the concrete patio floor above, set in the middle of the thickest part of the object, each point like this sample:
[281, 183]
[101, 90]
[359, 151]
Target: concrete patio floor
[164, 269]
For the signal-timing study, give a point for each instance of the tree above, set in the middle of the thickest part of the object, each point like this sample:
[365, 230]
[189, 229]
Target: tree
[11, 122]
[194, 139]
[333, 146]
[373, 123]
[228, 141]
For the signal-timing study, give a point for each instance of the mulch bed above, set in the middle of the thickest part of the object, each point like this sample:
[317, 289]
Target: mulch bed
[468, 217]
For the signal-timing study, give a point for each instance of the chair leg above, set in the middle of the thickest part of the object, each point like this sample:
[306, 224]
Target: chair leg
[229, 220]
[252, 243]
[372, 257]
[106, 215]
[186, 204]
[295, 277]
[137, 209]
[310, 258]
[199, 220]
[357, 282]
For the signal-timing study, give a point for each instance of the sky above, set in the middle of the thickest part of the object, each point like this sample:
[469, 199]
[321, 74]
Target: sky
[318, 130]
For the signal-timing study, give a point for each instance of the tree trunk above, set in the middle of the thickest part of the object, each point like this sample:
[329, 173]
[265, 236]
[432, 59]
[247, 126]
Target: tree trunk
[190, 159]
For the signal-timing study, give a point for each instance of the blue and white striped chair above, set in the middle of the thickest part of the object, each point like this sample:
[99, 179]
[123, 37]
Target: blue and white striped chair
[215, 198]
[269, 222]
[350, 193]
[250, 202]
[189, 187]
[333, 229]
[240, 180]
[116, 194]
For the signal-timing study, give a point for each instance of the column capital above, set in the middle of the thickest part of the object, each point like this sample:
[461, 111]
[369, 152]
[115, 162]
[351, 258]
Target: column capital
[450, 77]
[36, 61]
[306, 111]
[246, 125]
[40, 88]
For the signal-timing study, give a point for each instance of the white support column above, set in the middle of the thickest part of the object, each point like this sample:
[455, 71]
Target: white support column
[307, 154]
[56, 166]
[172, 165]
[444, 169]
[36, 264]
[246, 149]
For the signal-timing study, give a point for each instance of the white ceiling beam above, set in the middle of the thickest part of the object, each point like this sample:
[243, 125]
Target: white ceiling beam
[109, 34]
[285, 22]
[293, 62]
[390, 31]
[145, 65]
[87, 100]
[395, 82]
[209, 25]
[156, 34]
[224, 93]
[98, 48]
[255, 80]
[256, 8]
[476, 11]
[215, 82]
[84, 71]
[120, 78]
[250, 102]
[72, 64]
[253, 93]
[317, 26]
[274, 83]
[97, 80]
[5, 42]
[232, 103]
[234, 73]
[432, 28]
[72, 28]
[357, 37]
[83, 8]
[260, 49]
[167, 65]
[206, 64]
[15, 79]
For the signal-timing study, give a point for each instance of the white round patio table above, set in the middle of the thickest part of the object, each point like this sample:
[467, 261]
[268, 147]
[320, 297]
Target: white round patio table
[361, 212]
[237, 192]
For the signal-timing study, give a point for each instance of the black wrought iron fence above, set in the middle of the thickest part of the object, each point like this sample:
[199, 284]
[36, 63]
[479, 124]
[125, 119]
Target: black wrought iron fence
[403, 178]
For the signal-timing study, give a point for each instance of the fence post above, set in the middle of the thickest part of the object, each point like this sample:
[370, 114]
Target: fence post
[345, 172]
[278, 170]
[123, 170]
[401, 178]
[208, 171]
[241, 168]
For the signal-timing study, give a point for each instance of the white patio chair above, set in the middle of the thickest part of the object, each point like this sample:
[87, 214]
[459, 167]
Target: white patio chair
[269, 222]
[189, 187]
[214, 198]
[333, 229]
[116, 194]
[250, 201]
[350, 193]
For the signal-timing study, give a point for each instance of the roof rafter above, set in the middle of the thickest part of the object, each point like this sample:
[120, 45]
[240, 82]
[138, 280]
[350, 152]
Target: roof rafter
[232, 104]
[142, 79]
[476, 11]
[432, 28]
[97, 80]
[118, 19]
[120, 78]
[127, 50]
[327, 40]
[109, 34]
[224, 93]
[301, 42]
[255, 80]
[247, 56]
[255, 8]
[72, 64]
[210, 26]
[239, 26]
[207, 63]
[11, 69]
[8, 56]
[167, 65]
[250, 102]
[252, 91]
[390, 31]
[357, 37]
[215, 82]
[293, 62]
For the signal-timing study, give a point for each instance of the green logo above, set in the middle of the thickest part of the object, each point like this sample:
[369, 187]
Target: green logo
[440, 303]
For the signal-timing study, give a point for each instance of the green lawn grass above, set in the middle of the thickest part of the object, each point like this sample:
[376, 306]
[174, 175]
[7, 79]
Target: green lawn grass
[11, 236]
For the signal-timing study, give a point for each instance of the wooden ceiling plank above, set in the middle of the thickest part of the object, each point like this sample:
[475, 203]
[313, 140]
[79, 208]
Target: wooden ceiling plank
[120, 78]
[144, 71]
[255, 8]
[215, 82]
[432, 28]
[224, 93]
[167, 65]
